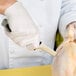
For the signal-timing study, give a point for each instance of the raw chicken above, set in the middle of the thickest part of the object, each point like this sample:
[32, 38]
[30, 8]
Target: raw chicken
[64, 63]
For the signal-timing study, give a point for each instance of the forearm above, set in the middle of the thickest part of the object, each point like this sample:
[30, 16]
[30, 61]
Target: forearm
[4, 4]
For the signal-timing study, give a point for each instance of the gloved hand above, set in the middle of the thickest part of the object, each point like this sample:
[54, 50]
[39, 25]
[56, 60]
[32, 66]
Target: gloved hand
[21, 28]
[71, 31]
[64, 63]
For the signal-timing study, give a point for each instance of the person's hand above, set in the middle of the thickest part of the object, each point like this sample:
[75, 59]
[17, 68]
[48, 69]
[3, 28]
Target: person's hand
[4, 4]
[74, 25]
[71, 31]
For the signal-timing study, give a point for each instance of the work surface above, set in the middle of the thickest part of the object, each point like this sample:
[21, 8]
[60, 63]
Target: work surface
[33, 71]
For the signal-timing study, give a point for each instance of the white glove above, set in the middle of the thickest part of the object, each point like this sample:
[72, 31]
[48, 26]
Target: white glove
[21, 28]
[71, 31]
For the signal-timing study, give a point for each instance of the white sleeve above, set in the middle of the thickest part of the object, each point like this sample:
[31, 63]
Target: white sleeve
[68, 15]
[24, 31]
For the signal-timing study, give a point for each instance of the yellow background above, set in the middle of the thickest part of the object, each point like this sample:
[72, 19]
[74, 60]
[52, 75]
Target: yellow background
[33, 71]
